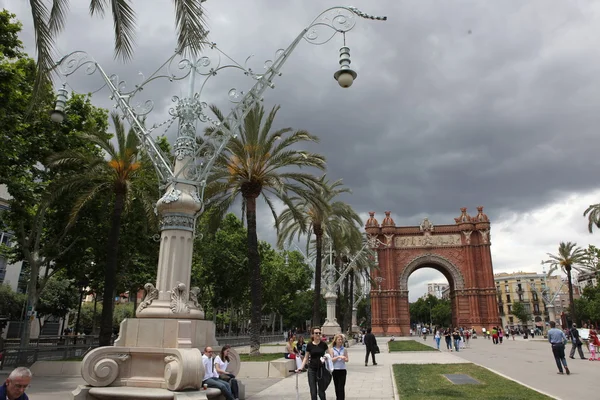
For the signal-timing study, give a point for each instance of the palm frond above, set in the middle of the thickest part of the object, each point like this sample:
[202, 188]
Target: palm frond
[189, 20]
[97, 7]
[124, 27]
[44, 43]
[58, 16]
[593, 214]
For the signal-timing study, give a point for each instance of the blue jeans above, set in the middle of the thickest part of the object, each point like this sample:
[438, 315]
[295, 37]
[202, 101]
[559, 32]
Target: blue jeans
[221, 385]
[456, 344]
[437, 342]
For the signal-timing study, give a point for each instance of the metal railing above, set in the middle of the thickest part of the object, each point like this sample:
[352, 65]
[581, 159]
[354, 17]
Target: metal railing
[47, 349]
[60, 348]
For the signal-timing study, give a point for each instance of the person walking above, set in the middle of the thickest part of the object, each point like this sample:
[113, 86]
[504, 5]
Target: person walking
[339, 356]
[315, 351]
[16, 384]
[456, 339]
[448, 339]
[437, 338]
[557, 340]
[576, 343]
[371, 344]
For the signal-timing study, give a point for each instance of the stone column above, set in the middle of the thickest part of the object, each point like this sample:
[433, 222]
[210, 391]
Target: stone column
[330, 327]
[355, 327]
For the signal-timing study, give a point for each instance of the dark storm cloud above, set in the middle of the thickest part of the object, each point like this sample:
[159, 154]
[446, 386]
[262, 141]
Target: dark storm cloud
[456, 103]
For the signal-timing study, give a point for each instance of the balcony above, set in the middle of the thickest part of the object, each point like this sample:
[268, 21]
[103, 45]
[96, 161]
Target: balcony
[520, 291]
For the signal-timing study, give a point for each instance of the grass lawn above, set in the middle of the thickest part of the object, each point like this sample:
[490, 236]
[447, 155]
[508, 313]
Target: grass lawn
[409, 345]
[262, 357]
[421, 382]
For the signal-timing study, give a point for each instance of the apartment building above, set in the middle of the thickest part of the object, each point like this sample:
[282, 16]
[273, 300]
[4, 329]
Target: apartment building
[536, 292]
[437, 289]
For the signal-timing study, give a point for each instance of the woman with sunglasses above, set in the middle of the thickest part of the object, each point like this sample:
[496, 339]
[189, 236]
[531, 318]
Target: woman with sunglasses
[315, 350]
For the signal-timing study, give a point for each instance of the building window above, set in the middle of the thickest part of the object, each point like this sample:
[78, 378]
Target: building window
[536, 308]
[500, 310]
[510, 319]
[535, 297]
[508, 298]
[506, 288]
[510, 309]
[520, 297]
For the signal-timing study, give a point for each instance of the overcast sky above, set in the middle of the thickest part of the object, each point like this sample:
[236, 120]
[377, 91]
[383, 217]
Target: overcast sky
[456, 104]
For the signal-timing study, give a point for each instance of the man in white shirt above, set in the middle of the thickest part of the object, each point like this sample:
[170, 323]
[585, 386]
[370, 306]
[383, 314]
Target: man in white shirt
[211, 377]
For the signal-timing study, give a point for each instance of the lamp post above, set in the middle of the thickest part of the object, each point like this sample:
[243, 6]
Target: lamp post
[169, 316]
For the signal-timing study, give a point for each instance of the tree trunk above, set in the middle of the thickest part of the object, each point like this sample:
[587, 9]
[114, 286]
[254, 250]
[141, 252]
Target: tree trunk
[347, 303]
[571, 301]
[351, 298]
[110, 275]
[255, 277]
[316, 316]
[32, 300]
[134, 301]
[94, 314]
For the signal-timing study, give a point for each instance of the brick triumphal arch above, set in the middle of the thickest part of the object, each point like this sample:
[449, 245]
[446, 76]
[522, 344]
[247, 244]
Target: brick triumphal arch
[461, 252]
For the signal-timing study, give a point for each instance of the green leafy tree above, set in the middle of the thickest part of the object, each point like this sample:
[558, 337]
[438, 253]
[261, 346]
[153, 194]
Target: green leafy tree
[122, 311]
[520, 311]
[120, 174]
[220, 264]
[311, 214]
[569, 257]
[27, 138]
[259, 162]
[49, 22]
[58, 299]
[441, 313]
[89, 318]
[11, 305]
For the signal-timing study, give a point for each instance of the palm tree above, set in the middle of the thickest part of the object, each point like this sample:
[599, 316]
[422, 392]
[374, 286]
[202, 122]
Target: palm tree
[259, 162]
[568, 257]
[121, 175]
[312, 215]
[48, 23]
[593, 214]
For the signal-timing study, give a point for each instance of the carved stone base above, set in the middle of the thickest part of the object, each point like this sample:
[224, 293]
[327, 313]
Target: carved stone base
[151, 353]
[163, 309]
[331, 328]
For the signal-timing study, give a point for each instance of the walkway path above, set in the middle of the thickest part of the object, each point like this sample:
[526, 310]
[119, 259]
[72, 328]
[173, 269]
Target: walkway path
[372, 382]
[529, 362]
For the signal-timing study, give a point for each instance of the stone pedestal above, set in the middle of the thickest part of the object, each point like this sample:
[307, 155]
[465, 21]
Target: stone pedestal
[330, 327]
[355, 328]
[156, 353]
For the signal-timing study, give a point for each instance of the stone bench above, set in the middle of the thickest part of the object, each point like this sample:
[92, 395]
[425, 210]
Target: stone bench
[280, 368]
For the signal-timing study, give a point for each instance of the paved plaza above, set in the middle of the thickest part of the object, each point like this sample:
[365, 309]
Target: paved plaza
[529, 362]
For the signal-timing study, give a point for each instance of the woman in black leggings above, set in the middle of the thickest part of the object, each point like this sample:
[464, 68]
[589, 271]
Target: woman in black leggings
[315, 350]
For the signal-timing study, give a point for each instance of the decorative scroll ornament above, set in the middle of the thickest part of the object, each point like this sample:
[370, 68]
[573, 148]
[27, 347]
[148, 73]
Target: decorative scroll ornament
[467, 235]
[485, 235]
[151, 295]
[171, 196]
[373, 241]
[193, 301]
[177, 221]
[426, 226]
[179, 299]
[388, 240]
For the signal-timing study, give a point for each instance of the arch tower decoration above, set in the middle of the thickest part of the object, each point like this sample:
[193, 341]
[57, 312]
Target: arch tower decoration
[461, 252]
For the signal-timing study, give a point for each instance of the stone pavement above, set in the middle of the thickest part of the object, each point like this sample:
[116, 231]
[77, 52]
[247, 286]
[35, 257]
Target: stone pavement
[372, 382]
[528, 362]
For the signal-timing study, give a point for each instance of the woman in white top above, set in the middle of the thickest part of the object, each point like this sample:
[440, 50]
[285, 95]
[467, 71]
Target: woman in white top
[339, 356]
[221, 363]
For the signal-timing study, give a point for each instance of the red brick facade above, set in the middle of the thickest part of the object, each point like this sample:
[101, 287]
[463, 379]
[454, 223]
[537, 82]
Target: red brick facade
[461, 252]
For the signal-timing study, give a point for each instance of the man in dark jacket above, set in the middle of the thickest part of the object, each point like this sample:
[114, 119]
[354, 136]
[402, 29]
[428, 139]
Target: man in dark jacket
[370, 343]
[15, 385]
[576, 343]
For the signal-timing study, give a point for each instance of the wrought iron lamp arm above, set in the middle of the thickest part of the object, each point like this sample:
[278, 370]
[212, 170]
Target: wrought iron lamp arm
[348, 268]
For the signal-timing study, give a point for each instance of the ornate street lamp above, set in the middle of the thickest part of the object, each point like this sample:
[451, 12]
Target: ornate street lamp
[169, 317]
